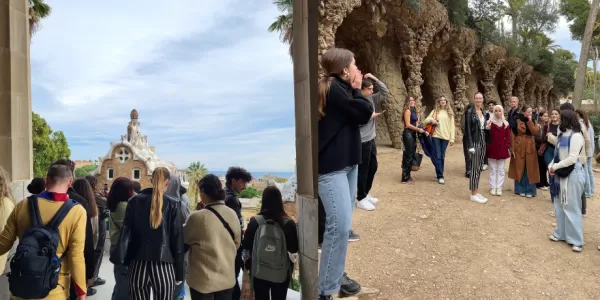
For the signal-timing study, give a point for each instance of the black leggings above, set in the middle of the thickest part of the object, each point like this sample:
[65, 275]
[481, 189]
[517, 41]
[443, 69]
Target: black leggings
[543, 172]
[409, 139]
[263, 287]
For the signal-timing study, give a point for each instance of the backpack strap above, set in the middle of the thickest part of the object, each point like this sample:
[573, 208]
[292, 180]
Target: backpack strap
[34, 211]
[259, 219]
[225, 224]
[61, 214]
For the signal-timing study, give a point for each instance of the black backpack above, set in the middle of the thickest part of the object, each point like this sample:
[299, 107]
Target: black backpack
[35, 268]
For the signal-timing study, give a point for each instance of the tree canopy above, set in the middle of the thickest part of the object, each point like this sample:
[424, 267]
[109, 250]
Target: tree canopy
[48, 145]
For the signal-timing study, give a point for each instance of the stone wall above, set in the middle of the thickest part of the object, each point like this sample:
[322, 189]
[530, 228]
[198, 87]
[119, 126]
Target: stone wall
[420, 53]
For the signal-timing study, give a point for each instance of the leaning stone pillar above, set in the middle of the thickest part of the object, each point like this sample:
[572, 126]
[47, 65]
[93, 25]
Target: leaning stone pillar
[16, 153]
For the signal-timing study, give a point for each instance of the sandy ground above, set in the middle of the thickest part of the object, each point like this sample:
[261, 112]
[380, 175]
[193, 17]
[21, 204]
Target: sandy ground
[428, 241]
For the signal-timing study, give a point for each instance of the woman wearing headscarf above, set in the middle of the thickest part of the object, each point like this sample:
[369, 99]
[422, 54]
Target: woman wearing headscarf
[498, 149]
[174, 190]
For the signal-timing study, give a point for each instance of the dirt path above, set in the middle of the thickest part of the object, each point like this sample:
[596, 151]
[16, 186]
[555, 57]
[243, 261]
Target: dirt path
[428, 241]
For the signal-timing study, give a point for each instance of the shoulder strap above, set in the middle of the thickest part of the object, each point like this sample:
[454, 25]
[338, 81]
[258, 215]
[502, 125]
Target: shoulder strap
[34, 211]
[225, 224]
[61, 214]
[259, 219]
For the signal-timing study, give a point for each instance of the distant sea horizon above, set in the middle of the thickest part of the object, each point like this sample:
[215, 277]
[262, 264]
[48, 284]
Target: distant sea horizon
[258, 174]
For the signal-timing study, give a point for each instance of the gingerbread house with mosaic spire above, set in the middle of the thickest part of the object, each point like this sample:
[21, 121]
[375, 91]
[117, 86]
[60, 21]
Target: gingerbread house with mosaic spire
[132, 157]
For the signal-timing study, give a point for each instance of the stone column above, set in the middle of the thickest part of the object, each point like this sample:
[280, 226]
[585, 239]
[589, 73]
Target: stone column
[16, 153]
[305, 95]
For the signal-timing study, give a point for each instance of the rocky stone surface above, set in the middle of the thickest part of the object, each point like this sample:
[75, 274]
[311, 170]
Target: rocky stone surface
[419, 53]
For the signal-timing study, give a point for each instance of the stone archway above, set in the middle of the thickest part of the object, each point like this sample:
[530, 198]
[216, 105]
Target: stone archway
[16, 152]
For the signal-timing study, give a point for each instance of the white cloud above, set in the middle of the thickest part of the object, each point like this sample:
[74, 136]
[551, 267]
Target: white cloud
[197, 72]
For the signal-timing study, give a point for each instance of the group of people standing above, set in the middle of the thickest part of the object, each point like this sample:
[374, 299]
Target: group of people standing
[537, 142]
[157, 243]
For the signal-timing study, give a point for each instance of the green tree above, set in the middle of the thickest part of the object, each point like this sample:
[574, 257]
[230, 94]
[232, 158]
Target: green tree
[576, 12]
[47, 145]
[85, 170]
[564, 71]
[283, 23]
[38, 10]
[196, 171]
[250, 192]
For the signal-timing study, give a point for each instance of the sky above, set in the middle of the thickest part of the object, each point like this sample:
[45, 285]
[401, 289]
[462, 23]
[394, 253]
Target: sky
[208, 80]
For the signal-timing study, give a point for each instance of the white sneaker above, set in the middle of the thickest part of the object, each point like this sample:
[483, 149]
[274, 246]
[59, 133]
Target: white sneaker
[366, 205]
[476, 198]
[441, 181]
[499, 192]
[372, 199]
[493, 192]
[485, 167]
[482, 197]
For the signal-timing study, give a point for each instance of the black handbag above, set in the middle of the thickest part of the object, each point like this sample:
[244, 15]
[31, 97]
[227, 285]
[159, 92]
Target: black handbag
[566, 171]
[416, 164]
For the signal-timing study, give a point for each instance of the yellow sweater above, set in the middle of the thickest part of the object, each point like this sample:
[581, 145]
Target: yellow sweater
[445, 129]
[6, 207]
[72, 237]
[212, 252]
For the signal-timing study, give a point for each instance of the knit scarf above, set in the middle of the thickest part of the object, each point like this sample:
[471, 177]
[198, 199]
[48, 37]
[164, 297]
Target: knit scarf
[559, 185]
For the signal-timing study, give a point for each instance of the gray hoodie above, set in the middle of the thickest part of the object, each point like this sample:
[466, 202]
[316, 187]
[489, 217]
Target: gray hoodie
[368, 131]
[173, 190]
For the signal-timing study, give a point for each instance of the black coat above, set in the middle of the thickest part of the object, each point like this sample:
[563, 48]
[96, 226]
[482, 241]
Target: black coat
[472, 133]
[164, 244]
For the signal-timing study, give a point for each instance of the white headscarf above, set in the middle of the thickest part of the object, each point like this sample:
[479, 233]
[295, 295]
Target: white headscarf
[498, 121]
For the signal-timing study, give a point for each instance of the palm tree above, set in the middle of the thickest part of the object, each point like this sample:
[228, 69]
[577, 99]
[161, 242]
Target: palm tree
[283, 23]
[196, 171]
[38, 10]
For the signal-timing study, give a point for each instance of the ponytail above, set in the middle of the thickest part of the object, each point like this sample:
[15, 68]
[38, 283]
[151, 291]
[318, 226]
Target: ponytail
[160, 177]
[324, 86]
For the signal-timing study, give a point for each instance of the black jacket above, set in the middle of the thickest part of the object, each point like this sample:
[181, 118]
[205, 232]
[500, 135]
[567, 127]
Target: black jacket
[88, 250]
[232, 201]
[339, 134]
[164, 244]
[472, 134]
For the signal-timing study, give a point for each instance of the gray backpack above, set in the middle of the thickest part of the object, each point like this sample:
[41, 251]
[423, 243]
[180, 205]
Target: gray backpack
[269, 253]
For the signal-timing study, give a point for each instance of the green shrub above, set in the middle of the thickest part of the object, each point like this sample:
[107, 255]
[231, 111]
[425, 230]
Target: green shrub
[250, 192]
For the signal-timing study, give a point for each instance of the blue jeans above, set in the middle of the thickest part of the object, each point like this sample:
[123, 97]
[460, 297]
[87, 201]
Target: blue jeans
[121, 289]
[589, 186]
[524, 187]
[337, 191]
[440, 155]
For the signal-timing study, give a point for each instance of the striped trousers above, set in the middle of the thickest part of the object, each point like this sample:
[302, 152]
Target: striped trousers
[477, 160]
[151, 275]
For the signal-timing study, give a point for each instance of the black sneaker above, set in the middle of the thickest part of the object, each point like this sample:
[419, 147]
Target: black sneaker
[325, 297]
[354, 237]
[91, 292]
[349, 287]
[98, 281]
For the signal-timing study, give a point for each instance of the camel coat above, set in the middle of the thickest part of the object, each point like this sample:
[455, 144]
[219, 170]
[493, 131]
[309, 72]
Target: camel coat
[523, 147]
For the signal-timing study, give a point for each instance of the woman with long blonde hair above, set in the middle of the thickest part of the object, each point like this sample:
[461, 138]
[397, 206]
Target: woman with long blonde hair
[442, 117]
[152, 235]
[342, 108]
[6, 207]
